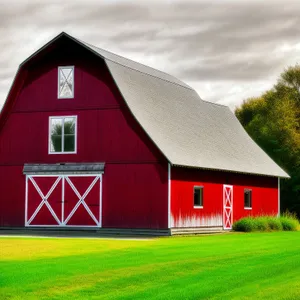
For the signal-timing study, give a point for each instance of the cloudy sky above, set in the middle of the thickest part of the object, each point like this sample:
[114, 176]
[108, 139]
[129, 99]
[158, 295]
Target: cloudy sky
[226, 50]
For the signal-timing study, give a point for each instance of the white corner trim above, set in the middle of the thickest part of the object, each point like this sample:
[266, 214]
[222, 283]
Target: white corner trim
[278, 197]
[26, 200]
[169, 195]
[100, 206]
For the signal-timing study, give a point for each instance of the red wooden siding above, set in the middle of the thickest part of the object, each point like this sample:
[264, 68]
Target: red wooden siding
[135, 178]
[183, 213]
[12, 198]
[135, 195]
[103, 135]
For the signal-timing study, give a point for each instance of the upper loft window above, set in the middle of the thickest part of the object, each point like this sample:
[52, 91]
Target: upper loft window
[62, 134]
[247, 199]
[65, 82]
[198, 196]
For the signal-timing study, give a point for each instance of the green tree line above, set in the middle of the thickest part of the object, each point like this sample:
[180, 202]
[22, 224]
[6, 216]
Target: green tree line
[273, 122]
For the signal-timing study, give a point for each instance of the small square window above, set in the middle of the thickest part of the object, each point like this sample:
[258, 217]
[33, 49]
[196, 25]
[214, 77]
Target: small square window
[62, 134]
[247, 198]
[65, 82]
[198, 196]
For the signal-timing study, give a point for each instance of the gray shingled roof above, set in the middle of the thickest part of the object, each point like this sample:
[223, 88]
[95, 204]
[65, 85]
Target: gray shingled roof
[189, 131]
[135, 65]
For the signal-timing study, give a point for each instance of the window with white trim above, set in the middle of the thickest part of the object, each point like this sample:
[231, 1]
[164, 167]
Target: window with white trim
[62, 134]
[247, 198]
[65, 82]
[198, 196]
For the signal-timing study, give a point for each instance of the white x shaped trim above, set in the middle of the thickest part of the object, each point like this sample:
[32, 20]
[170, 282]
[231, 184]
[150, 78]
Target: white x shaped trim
[228, 218]
[81, 200]
[44, 200]
[227, 197]
[66, 78]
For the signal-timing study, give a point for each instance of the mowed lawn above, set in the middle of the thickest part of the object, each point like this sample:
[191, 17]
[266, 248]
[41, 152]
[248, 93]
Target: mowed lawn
[228, 266]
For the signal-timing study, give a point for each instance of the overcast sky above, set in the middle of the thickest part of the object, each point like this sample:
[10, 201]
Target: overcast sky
[226, 50]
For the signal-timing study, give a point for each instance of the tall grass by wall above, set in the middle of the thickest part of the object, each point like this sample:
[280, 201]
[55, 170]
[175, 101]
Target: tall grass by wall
[287, 222]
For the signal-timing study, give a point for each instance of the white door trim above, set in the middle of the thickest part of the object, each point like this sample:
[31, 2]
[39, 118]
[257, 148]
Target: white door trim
[169, 195]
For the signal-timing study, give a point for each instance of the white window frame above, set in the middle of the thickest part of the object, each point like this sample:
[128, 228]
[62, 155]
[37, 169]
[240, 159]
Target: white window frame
[198, 187]
[248, 207]
[58, 81]
[62, 136]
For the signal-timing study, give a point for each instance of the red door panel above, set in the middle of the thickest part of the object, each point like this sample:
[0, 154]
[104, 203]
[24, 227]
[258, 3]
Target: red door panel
[92, 201]
[44, 201]
[81, 217]
[35, 200]
[70, 200]
[44, 218]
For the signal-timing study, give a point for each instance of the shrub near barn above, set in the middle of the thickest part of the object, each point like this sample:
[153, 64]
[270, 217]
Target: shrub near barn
[287, 222]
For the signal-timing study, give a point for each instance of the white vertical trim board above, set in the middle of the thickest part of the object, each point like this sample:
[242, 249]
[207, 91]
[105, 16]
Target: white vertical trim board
[278, 197]
[169, 195]
[26, 201]
[63, 199]
[100, 205]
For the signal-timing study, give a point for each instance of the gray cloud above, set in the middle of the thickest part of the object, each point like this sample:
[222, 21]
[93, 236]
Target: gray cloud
[214, 46]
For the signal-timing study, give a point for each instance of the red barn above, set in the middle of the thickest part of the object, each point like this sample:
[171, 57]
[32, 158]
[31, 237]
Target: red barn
[90, 139]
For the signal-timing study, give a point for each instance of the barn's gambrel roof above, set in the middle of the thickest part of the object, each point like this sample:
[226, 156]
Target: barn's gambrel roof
[189, 131]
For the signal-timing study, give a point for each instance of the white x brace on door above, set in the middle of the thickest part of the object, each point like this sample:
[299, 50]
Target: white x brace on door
[227, 206]
[63, 200]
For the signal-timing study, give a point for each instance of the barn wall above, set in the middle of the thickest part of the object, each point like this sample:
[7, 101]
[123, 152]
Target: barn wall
[12, 199]
[135, 178]
[135, 195]
[183, 180]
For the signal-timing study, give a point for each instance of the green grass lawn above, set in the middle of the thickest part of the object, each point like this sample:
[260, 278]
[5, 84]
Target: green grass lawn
[229, 266]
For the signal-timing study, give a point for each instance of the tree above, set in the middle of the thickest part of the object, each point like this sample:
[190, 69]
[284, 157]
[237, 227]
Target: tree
[273, 121]
[69, 136]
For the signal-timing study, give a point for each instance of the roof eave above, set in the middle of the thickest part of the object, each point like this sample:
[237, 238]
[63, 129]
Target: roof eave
[233, 171]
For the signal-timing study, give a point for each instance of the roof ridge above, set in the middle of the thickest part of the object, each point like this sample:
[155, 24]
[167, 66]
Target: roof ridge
[130, 60]
[184, 85]
[210, 102]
